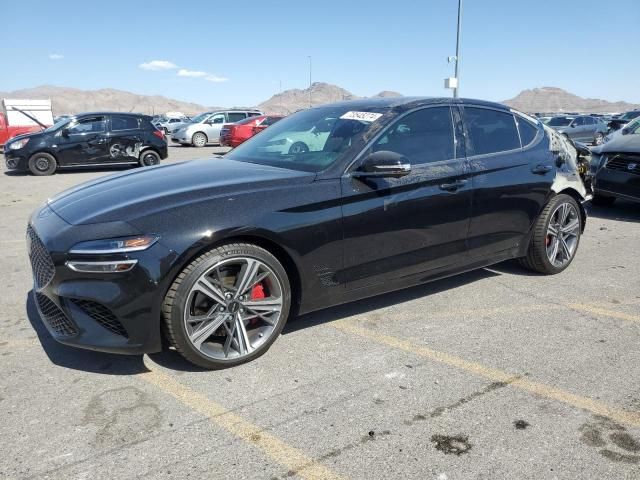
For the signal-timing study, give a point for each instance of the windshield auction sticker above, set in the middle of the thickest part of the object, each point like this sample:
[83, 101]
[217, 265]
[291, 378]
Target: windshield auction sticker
[362, 116]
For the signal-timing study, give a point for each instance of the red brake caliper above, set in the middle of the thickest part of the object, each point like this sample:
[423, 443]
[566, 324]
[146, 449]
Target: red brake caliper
[257, 292]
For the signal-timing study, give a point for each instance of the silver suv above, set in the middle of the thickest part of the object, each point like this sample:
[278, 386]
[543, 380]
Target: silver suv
[205, 128]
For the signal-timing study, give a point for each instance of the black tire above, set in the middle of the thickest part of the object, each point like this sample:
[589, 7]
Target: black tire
[536, 258]
[174, 304]
[298, 147]
[42, 164]
[598, 139]
[149, 158]
[199, 140]
[603, 200]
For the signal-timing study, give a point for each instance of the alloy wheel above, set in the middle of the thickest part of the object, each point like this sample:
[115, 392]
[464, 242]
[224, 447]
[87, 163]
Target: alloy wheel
[199, 140]
[233, 308]
[563, 234]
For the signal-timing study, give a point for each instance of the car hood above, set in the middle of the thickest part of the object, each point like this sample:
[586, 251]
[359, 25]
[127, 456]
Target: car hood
[629, 143]
[131, 195]
[30, 135]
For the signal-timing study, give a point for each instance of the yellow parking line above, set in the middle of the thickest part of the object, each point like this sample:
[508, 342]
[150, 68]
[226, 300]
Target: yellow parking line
[540, 389]
[597, 310]
[292, 458]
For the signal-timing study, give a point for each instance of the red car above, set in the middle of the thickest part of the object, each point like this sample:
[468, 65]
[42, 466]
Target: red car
[233, 134]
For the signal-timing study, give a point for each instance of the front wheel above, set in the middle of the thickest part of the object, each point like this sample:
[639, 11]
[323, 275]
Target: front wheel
[199, 139]
[42, 164]
[556, 236]
[227, 306]
[598, 139]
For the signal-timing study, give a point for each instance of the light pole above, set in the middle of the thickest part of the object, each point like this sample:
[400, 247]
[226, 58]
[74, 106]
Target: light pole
[309, 81]
[454, 82]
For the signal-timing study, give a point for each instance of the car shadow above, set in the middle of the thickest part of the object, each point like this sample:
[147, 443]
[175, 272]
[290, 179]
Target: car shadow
[386, 300]
[621, 210]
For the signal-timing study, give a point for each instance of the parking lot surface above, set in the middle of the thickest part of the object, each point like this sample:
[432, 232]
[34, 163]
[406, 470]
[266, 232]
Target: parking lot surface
[497, 373]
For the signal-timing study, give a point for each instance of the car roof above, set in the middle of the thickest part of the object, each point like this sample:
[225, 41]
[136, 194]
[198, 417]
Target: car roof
[131, 114]
[408, 103]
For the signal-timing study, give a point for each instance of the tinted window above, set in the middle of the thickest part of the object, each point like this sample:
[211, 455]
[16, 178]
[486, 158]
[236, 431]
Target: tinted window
[88, 125]
[121, 122]
[578, 122]
[423, 136]
[236, 116]
[254, 114]
[491, 131]
[527, 131]
[559, 121]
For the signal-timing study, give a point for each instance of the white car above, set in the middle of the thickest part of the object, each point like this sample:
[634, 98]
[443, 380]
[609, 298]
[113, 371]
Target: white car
[312, 140]
[205, 128]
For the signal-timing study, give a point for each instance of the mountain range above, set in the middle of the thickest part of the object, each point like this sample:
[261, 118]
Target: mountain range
[72, 100]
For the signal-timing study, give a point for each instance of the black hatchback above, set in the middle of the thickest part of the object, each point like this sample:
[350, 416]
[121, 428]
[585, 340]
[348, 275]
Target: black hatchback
[97, 139]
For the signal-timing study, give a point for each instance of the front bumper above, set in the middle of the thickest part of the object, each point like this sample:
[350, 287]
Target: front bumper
[16, 159]
[115, 312]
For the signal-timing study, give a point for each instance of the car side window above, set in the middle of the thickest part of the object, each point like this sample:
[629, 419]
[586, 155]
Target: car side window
[88, 125]
[527, 131]
[218, 118]
[578, 122]
[422, 137]
[491, 131]
[236, 116]
[122, 122]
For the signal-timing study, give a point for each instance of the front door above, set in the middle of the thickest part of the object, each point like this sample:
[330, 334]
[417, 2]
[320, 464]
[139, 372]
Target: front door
[125, 139]
[84, 142]
[398, 227]
[511, 179]
[212, 127]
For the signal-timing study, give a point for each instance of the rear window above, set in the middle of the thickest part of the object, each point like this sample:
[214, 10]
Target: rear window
[491, 131]
[527, 131]
[122, 122]
[236, 116]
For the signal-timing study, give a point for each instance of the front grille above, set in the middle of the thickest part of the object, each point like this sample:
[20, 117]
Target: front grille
[41, 263]
[102, 315]
[55, 317]
[624, 162]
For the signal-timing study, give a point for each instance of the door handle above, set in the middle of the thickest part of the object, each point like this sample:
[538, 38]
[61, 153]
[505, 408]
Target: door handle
[98, 141]
[452, 187]
[542, 169]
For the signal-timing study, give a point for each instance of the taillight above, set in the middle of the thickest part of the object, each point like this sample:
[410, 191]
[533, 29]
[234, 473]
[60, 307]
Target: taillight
[159, 134]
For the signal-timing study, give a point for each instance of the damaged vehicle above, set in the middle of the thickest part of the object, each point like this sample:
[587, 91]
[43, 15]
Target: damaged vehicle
[100, 139]
[615, 166]
[216, 256]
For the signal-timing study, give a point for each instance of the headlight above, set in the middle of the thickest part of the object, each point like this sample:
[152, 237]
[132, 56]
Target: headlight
[18, 144]
[115, 245]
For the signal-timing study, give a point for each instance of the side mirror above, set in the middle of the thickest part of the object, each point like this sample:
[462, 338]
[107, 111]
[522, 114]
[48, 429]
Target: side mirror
[384, 164]
[65, 132]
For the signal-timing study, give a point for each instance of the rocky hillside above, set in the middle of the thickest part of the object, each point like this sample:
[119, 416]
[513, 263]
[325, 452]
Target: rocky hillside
[73, 100]
[551, 99]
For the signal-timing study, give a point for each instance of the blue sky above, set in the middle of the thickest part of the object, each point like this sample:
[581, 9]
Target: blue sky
[238, 53]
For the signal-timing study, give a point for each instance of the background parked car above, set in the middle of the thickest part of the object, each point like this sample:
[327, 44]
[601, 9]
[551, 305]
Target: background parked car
[618, 122]
[167, 125]
[234, 134]
[23, 116]
[205, 128]
[581, 128]
[89, 139]
[615, 166]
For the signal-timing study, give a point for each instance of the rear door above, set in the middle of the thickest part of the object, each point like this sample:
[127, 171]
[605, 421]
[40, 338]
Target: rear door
[512, 171]
[125, 139]
[84, 142]
[398, 227]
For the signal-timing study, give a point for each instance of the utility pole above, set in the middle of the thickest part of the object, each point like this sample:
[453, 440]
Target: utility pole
[453, 83]
[309, 81]
[455, 90]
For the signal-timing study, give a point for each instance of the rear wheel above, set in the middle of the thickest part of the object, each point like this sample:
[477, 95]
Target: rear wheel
[227, 306]
[603, 200]
[42, 164]
[556, 236]
[199, 139]
[598, 139]
[148, 158]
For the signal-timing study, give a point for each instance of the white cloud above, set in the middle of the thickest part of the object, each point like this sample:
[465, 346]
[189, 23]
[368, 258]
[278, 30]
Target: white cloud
[56, 56]
[158, 65]
[183, 72]
[216, 78]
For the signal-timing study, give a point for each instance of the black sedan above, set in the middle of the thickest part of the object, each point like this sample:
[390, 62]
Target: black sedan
[377, 195]
[99, 139]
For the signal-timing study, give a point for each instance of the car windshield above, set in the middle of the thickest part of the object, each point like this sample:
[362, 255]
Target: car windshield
[559, 121]
[199, 118]
[310, 140]
[58, 124]
[633, 126]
